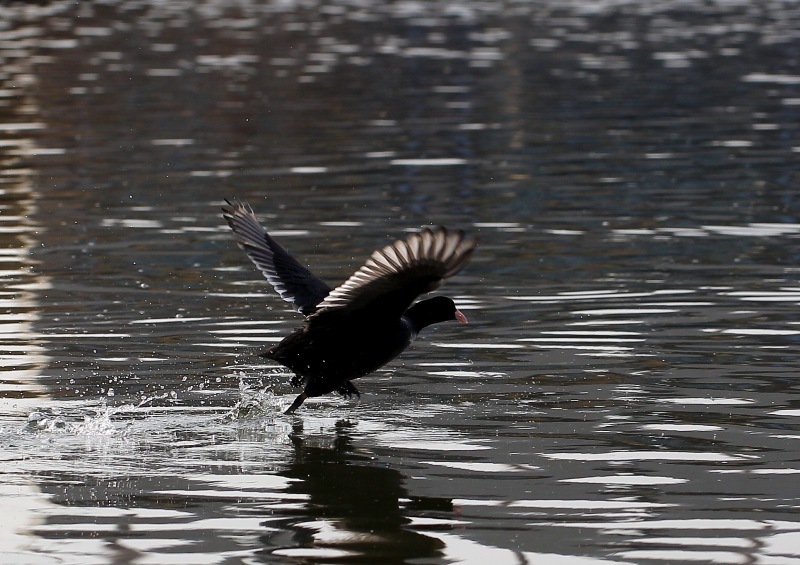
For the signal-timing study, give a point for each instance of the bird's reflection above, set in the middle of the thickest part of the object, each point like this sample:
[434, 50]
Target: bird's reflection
[356, 506]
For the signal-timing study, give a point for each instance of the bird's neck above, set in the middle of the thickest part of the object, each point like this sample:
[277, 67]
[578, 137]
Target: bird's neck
[418, 316]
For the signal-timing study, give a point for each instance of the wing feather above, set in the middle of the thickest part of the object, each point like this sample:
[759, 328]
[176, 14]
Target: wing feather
[394, 276]
[291, 280]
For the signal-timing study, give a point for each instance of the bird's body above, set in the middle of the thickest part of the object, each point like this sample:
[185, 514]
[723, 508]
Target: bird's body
[324, 362]
[367, 321]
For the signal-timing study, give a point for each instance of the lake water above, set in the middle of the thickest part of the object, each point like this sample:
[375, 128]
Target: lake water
[627, 390]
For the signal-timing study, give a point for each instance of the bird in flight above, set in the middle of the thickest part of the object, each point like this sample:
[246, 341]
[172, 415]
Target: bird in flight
[359, 326]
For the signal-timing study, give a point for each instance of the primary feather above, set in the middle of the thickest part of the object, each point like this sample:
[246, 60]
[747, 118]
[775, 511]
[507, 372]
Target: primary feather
[396, 274]
[291, 280]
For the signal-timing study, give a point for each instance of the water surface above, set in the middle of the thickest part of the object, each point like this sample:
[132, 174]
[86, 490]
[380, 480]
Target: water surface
[624, 393]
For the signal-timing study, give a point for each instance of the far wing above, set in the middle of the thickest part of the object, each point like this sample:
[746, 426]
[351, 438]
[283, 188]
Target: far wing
[293, 282]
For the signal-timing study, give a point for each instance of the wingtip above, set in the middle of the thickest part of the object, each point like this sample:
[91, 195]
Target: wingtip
[230, 208]
[236, 208]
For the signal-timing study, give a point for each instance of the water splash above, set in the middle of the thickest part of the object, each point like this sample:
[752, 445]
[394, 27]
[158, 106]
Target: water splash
[99, 424]
[255, 403]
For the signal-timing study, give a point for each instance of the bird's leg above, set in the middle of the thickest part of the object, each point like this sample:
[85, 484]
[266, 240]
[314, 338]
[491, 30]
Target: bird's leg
[296, 404]
[348, 389]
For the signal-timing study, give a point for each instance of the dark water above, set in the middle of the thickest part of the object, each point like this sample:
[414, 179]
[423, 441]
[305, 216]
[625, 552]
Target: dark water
[627, 391]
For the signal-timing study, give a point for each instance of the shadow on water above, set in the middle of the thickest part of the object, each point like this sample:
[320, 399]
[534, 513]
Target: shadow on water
[357, 509]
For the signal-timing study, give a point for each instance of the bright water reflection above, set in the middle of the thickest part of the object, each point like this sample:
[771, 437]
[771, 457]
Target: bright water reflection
[624, 393]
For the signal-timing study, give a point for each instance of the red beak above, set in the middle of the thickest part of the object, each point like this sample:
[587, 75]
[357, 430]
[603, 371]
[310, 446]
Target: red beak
[461, 317]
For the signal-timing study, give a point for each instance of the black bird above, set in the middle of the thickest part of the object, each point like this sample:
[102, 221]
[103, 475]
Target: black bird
[357, 327]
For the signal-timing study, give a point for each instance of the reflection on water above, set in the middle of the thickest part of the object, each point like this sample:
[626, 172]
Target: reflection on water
[354, 507]
[624, 392]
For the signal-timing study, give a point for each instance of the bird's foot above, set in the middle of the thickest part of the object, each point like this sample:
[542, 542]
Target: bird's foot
[348, 389]
[296, 404]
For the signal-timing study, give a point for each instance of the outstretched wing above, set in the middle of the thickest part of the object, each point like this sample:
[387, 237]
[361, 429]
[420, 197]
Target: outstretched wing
[291, 280]
[393, 277]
